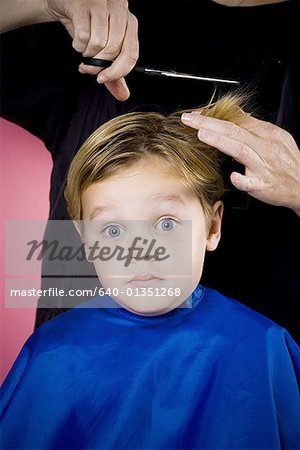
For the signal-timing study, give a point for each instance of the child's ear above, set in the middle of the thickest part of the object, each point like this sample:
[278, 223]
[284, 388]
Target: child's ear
[214, 233]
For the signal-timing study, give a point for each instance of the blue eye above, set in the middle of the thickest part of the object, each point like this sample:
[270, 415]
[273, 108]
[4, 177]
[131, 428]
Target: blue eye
[113, 231]
[166, 224]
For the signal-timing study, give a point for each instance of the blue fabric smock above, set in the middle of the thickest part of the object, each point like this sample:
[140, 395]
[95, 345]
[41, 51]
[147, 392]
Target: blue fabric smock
[216, 375]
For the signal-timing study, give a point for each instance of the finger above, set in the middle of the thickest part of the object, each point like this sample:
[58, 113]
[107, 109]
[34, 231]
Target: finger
[242, 182]
[127, 59]
[239, 150]
[91, 70]
[99, 30]
[262, 129]
[223, 127]
[199, 121]
[118, 17]
[82, 29]
[119, 89]
[253, 132]
[70, 28]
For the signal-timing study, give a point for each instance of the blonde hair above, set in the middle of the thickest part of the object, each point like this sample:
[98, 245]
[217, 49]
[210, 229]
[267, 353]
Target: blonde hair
[125, 140]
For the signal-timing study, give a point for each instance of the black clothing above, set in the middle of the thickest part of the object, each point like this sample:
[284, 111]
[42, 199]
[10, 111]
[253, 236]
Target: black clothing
[42, 90]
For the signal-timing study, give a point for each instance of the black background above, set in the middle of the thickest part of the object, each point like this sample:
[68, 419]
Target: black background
[257, 261]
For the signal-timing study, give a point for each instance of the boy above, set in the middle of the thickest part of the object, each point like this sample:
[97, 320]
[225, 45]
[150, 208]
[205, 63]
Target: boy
[162, 362]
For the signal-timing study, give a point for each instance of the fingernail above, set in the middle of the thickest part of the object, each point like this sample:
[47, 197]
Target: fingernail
[102, 79]
[187, 117]
[198, 111]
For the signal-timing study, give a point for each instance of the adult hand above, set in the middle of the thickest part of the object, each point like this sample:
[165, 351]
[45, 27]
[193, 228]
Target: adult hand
[103, 29]
[270, 156]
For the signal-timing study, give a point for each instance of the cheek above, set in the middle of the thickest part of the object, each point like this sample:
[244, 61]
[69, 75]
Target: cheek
[111, 271]
[198, 251]
[197, 262]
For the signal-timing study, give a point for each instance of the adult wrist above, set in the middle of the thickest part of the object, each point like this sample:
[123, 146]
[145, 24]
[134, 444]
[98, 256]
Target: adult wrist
[48, 14]
[20, 13]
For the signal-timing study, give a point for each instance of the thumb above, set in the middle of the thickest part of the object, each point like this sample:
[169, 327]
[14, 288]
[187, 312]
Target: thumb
[119, 89]
[241, 182]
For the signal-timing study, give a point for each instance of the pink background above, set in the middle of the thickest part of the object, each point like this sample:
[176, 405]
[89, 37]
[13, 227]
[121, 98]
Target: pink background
[25, 166]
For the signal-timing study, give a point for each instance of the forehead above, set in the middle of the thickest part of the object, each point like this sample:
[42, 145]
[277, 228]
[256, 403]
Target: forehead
[146, 184]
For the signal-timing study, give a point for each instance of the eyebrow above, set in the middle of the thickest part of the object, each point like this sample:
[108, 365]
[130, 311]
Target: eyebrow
[100, 209]
[168, 198]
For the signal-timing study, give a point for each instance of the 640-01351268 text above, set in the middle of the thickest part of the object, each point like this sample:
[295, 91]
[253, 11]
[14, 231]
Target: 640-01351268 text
[97, 291]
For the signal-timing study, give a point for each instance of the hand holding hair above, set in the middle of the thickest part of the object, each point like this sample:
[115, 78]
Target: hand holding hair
[269, 153]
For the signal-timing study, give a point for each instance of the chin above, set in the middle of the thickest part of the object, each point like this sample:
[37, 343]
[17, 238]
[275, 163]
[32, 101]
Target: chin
[149, 310]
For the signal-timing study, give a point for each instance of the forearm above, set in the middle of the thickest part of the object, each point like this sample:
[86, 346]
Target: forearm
[19, 13]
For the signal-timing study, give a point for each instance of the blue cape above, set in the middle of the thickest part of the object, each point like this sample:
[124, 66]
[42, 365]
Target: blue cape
[216, 375]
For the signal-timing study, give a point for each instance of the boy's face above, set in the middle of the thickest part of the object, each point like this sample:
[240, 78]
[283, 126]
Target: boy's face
[147, 208]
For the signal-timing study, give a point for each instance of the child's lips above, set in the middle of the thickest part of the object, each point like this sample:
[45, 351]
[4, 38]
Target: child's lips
[144, 280]
[145, 277]
[146, 283]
